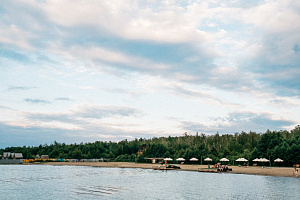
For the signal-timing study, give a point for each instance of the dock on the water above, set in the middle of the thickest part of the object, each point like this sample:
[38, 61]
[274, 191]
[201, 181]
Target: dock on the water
[161, 168]
[214, 170]
[210, 170]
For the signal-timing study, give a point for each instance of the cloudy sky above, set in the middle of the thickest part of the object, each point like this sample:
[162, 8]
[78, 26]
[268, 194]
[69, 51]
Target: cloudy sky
[87, 70]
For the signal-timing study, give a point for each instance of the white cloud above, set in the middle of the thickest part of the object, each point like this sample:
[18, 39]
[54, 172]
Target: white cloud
[279, 23]
[16, 36]
[105, 55]
[132, 20]
[274, 16]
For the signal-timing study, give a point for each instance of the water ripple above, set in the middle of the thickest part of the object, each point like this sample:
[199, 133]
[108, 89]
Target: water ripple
[98, 190]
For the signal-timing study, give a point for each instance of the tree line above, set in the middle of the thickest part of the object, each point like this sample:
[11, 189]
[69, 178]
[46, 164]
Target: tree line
[251, 145]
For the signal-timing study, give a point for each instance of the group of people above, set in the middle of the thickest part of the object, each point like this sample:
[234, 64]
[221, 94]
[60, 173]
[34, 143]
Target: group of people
[224, 168]
[221, 167]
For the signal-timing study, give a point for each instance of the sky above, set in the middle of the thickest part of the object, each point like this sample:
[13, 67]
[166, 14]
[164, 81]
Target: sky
[95, 70]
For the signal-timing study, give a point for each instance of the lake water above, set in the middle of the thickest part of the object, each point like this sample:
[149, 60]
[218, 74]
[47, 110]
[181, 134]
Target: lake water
[74, 182]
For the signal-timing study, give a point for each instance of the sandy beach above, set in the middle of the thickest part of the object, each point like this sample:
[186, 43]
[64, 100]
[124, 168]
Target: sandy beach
[251, 170]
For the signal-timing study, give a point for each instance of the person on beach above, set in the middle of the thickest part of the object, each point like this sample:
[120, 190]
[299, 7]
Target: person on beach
[226, 167]
[295, 172]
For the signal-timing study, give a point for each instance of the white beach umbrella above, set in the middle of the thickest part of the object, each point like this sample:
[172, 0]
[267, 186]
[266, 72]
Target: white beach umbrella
[168, 159]
[278, 160]
[193, 159]
[207, 159]
[264, 160]
[224, 159]
[180, 159]
[242, 160]
[257, 160]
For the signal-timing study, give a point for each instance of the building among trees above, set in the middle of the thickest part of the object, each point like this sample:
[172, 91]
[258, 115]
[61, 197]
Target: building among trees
[8, 155]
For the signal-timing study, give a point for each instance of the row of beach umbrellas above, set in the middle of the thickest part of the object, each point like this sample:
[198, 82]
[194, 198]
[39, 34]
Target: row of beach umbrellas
[192, 159]
[226, 160]
[180, 159]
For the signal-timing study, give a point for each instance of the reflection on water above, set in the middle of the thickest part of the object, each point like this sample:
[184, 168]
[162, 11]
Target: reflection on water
[74, 182]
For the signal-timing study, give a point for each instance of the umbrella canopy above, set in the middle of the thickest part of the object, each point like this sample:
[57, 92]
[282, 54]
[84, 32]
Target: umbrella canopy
[207, 159]
[193, 159]
[168, 159]
[264, 160]
[278, 160]
[242, 160]
[260, 160]
[180, 159]
[224, 159]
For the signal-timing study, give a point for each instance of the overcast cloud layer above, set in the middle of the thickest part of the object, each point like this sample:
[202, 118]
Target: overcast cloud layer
[80, 71]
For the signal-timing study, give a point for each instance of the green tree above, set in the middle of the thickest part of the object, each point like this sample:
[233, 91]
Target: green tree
[77, 154]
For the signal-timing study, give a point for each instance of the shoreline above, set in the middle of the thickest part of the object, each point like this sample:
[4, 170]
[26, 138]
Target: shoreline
[251, 170]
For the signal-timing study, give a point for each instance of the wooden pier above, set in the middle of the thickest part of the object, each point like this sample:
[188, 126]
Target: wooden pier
[214, 170]
[209, 170]
[161, 168]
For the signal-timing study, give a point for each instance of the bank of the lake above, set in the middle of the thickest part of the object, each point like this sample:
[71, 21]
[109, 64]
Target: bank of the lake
[251, 170]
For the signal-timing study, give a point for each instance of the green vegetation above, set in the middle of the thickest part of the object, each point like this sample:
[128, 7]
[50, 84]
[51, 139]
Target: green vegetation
[273, 144]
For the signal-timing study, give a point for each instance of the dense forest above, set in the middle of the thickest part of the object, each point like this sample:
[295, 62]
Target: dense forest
[271, 144]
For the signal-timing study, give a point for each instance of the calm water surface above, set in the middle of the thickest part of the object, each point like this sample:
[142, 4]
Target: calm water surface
[74, 182]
